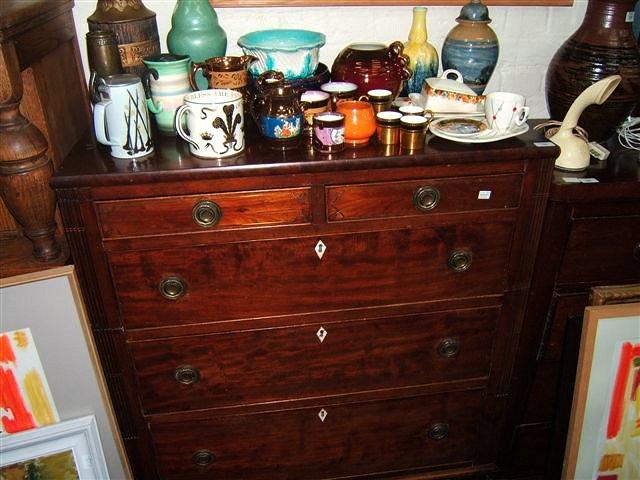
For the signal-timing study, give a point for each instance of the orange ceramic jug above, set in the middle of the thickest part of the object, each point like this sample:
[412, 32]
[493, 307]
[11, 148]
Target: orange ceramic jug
[359, 122]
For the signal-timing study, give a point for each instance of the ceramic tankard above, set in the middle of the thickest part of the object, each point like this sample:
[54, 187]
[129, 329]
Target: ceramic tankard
[167, 79]
[121, 118]
[215, 120]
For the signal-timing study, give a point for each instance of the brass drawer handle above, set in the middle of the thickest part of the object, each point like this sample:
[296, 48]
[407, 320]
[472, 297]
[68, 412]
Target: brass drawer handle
[173, 288]
[186, 374]
[426, 198]
[636, 251]
[202, 458]
[206, 213]
[460, 260]
[437, 431]
[448, 348]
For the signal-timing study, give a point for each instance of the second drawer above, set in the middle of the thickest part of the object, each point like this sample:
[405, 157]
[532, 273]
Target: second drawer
[313, 360]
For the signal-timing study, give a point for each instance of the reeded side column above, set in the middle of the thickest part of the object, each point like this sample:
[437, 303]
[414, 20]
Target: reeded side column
[25, 168]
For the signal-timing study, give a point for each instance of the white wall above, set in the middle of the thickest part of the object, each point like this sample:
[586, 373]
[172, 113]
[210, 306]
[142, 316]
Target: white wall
[529, 36]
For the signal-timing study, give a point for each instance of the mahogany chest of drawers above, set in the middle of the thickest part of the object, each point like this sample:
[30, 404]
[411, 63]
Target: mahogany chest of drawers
[303, 317]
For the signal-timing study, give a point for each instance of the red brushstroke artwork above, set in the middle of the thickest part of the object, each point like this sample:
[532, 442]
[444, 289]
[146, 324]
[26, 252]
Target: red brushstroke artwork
[16, 417]
[15, 414]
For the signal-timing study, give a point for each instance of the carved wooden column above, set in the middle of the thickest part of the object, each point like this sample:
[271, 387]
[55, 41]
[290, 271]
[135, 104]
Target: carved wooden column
[25, 168]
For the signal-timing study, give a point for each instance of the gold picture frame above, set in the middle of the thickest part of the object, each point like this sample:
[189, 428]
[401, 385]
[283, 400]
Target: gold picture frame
[610, 323]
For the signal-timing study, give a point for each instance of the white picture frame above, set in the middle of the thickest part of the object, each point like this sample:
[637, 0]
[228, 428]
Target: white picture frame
[79, 435]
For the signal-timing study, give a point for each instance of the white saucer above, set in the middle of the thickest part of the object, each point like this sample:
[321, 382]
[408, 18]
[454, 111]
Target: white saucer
[485, 136]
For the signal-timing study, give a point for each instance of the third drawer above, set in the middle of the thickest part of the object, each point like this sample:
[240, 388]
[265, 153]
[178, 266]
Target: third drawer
[265, 365]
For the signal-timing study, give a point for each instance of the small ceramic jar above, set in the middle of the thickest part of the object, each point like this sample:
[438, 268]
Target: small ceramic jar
[328, 132]
[313, 101]
[380, 99]
[413, 132]
[388, 127]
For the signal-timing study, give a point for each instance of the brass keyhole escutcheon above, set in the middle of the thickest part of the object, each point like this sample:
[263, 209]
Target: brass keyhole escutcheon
[173, 288]
[437, 431]
[448, 348]
[206, 213]
[203, 458]
[186, 374]
[460, 260]
[426, 198]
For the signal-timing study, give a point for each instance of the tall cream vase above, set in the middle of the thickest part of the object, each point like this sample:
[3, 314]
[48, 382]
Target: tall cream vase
[423, 57]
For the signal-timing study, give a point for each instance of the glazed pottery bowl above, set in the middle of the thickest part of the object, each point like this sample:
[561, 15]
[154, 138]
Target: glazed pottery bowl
[292, 52]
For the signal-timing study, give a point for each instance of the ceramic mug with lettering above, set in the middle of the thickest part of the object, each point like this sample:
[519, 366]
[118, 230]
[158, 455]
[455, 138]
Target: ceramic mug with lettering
[121, 118]
[505, 111]
[215, 120]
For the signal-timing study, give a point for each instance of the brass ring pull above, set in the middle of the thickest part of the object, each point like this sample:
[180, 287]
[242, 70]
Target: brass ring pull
[173, 288]
[426, 198]
[636, 251]
[437, 431]
[206, 213]
[202, 458]
[460, 260]
[448, 348]
[187, 375]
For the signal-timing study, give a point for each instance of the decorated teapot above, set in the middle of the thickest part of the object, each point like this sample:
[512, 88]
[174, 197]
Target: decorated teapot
[277, 111]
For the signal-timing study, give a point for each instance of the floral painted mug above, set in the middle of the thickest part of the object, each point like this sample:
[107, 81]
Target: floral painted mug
[215, 120]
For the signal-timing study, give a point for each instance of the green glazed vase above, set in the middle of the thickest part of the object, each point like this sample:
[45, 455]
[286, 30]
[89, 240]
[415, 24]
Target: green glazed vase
[195, 31]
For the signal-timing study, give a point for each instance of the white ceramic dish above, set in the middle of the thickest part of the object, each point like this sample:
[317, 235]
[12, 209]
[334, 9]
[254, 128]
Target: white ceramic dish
[484, 136]
[445, 95]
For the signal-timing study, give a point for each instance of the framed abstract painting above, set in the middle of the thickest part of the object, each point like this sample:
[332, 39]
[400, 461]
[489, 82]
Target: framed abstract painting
[604, 431]
[68, 450]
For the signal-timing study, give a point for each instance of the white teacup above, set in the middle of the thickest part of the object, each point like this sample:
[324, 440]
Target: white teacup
[505, 111]
[215, 119]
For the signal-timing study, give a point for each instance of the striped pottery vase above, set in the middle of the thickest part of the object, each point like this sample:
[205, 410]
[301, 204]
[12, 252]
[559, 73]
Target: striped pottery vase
[471, 47]
[423, 57]
[167, 81]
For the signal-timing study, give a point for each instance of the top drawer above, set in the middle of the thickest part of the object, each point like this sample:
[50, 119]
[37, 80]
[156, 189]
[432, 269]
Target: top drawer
[602, 250]
[221, 211]
[419, 197]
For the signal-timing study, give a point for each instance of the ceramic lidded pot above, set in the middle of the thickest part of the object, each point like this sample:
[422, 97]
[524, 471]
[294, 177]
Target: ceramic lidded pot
[603, 45]
[445, 95]
[472, 47]
[372, 66]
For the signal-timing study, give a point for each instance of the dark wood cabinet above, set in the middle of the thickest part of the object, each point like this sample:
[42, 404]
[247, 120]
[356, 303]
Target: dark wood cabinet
[591, 237]
[293, 316]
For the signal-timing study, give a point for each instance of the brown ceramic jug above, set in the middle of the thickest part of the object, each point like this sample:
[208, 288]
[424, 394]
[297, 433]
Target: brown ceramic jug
[224, 72]
[372, 66]
[604, 45]
[278, 111]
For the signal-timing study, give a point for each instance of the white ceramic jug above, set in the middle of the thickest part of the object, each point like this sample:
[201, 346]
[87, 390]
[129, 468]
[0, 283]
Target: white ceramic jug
[121, 118]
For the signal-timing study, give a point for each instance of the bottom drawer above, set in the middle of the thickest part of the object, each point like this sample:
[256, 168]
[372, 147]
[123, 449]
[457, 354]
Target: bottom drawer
[324, 442]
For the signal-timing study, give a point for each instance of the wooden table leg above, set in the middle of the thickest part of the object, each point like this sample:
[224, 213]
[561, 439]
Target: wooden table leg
[25, 168]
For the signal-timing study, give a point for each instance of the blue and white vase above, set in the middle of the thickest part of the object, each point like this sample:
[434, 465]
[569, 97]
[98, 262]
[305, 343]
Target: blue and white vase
[472, 47]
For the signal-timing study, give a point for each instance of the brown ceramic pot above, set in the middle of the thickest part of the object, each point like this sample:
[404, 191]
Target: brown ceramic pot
[372, 66]
[603, 45]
